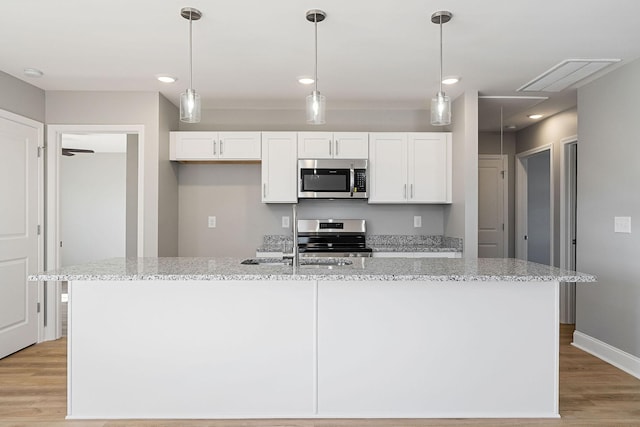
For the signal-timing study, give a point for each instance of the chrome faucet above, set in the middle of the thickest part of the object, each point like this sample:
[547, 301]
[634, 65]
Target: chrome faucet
[295, 250]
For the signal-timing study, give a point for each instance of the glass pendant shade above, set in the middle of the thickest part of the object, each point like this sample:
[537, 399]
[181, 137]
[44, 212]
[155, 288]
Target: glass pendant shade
[190, 106]
[315, 108]
[441, 110]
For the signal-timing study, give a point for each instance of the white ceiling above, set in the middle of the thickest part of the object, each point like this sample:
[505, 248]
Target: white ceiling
[372, 54]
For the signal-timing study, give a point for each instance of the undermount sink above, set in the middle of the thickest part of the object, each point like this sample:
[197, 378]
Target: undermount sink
[303, 261]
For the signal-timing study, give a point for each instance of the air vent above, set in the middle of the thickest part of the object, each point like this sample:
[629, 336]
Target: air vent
[565, 74]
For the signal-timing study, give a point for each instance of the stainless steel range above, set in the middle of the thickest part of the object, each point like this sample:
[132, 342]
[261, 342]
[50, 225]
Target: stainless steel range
[332, 238]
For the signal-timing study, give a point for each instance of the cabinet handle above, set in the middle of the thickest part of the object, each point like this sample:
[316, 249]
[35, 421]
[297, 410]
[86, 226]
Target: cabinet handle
[214, 148]
[412, 191]
[264, 190]
[221, 146]
[336, 147]
[330, 148]
[404, 192]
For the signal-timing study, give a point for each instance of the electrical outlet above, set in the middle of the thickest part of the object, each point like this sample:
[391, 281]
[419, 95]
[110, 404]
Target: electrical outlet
[212, 222]
[417, 221]
[285, 222]
[622, 224]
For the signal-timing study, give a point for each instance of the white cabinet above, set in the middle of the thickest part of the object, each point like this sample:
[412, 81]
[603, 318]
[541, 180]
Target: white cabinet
[279, 167]
[410, 167]
[202, 146]
[333, 145]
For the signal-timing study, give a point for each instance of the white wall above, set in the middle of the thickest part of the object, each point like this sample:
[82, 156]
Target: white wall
[167, 181]
[461, 217]
[608, 180]
[92, 207]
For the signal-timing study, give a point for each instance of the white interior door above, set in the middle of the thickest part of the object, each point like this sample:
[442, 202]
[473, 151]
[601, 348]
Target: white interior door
[492, 227]
[18, 234]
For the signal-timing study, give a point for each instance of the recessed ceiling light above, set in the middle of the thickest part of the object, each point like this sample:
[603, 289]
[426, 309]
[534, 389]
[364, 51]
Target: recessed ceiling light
[534, 116]
[32, 72]
[166, 79]
[305, 80]
[450, 80]
[510, 127]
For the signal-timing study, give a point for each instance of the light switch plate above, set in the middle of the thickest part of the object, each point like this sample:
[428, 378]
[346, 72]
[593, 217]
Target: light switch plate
[285, 222]
[212, 222]
[417, 221]
[622, 224]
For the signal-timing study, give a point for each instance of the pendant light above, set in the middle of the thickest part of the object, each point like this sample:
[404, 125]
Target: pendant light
[441, 104]
[316, 101]
[190, 105]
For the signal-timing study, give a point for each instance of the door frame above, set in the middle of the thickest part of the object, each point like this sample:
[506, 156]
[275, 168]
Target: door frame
[521, 200]
[54, 146]
[39, 127]
[505, 196]
[567, 290]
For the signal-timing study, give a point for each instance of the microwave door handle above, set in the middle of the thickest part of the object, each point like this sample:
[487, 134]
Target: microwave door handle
[352, 179]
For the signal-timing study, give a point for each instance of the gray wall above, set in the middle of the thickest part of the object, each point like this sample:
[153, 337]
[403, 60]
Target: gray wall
[608, 178]
[132, 195]
[118, 108]
[21, 98]
[489, 143]
[551, 131]
[231, 193]
[539, 208]
[92, 207]
[461, 217]
[167, 181]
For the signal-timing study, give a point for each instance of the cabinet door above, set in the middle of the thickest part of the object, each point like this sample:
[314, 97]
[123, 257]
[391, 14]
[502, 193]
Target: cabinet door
[315, 145]
[239, 145]
[429, 167]
[351, 145]
[279, 167]
[193, 146]
[388, 168]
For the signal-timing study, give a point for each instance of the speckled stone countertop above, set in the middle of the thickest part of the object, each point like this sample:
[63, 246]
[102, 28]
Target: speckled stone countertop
[373, 269]
[275, 243]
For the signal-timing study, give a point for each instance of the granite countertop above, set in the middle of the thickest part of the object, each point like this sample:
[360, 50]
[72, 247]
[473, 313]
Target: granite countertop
[374, 269]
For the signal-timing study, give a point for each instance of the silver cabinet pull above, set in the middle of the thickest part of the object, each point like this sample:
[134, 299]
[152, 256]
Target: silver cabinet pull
[330, 149]
[221, 146]
[404, 192]
[336, 147]
[264, 190]
[214, 148]
[412, 191]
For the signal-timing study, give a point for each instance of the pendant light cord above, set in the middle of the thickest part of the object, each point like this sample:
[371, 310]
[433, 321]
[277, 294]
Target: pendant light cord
[190, 51]
[315, 25]
[440, 54]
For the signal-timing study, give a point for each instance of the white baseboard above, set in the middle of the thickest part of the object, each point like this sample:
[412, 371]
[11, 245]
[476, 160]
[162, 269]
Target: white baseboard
[612, 355]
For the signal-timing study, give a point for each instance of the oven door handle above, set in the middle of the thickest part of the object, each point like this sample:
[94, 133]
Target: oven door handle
[352, 179]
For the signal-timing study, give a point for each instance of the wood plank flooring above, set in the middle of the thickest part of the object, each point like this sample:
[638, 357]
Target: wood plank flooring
[592, 393]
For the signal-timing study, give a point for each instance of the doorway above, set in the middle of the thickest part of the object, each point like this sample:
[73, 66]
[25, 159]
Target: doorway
[568, 220]
[58, 254]
[493, 203]
[534, 224]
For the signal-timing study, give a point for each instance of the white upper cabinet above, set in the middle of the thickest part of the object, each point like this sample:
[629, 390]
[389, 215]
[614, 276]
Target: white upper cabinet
[202, 146]
[333, 145]
[410, 167]
[279, 167]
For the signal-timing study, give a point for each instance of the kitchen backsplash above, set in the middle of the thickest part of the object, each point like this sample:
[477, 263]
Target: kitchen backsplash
[280, 242]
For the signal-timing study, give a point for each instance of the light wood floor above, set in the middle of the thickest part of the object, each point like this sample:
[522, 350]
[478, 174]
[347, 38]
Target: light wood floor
[592, 393]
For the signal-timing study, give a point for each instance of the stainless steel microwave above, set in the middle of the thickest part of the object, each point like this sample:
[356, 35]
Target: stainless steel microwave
[332, 179]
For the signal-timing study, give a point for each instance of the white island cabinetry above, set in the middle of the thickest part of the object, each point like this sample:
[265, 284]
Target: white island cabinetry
[207, 146]
[410, 167]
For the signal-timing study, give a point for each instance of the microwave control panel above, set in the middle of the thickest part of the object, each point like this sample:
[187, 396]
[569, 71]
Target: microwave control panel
[360, 178]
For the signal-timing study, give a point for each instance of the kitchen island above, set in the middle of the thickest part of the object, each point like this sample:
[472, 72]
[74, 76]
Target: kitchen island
[380, 338]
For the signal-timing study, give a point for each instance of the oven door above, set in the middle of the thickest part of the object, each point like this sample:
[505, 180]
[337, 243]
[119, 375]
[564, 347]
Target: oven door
[327, 179]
